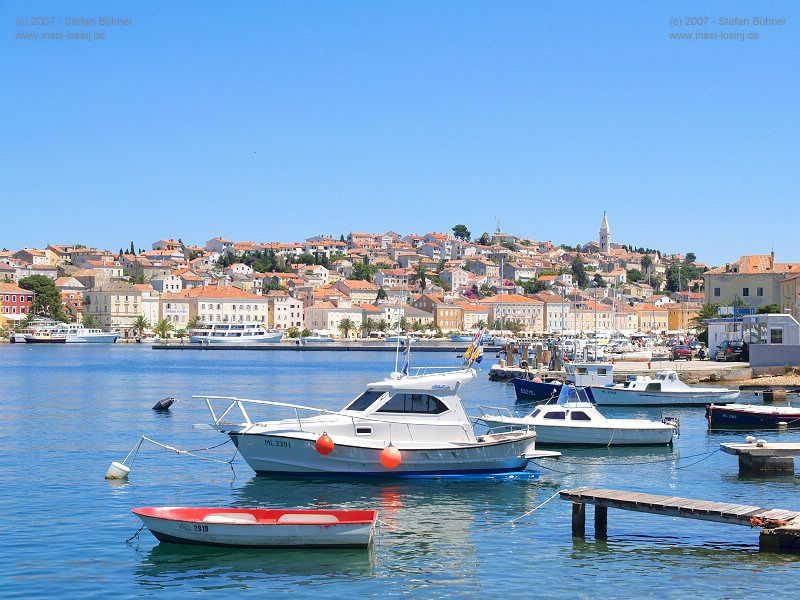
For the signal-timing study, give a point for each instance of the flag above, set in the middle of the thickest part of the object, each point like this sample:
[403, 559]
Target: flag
[475, 351]
[407, 357]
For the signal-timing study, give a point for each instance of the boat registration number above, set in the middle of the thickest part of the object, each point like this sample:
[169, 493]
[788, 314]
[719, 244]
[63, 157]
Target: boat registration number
[278, 443]
[203, 528]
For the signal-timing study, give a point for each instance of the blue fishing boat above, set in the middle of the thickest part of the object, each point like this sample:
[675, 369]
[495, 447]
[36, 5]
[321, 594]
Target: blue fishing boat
[748, 416]
[577, 374]
[531, 390]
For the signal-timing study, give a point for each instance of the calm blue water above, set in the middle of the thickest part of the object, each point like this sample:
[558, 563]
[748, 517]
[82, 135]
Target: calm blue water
[68, 411]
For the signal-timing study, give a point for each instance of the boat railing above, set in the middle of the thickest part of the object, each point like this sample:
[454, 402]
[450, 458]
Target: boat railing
[238, 403]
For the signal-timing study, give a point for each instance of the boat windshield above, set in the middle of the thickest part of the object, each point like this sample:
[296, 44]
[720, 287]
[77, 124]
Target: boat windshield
[365, 400]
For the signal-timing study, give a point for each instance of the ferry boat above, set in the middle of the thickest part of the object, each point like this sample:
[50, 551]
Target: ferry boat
[233, 333]
[76, 333]
[405, 425]
[574, 420]
[663, 390]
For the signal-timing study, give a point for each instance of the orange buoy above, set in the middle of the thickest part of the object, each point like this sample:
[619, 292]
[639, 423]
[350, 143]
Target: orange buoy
[324, 444]
[391, 457]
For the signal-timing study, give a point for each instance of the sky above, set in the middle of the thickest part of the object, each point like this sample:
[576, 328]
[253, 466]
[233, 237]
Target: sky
[277, 121]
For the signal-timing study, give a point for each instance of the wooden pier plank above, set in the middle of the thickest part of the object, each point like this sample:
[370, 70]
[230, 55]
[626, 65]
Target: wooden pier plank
[725, 512]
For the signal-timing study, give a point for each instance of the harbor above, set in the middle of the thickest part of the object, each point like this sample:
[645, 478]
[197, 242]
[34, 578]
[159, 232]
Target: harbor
[107, 404]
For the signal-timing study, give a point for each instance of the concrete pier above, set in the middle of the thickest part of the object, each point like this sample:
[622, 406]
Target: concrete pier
[768, 458]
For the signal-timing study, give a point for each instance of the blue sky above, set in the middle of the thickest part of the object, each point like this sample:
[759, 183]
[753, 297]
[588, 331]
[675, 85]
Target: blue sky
[281, 120]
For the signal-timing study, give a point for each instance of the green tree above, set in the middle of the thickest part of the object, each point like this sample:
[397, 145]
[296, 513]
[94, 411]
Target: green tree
[382, 295]
[383, 326]
[306, 332]
[484, 240]
[579, 272]
[485, 290]
[690, 257]
[47, 298]
[634, 275]
[514, 326]
[769, 309]
[363, 271]
[479, 324]
[646, 262]
[293, 332]
[462, 233]
[180, 334]
[346, 326]
[140, 325]
[133, 251]
[163, 328]
[598, 281]
[404, 324]
[532, 286]
[91, 322]
[420, 274]
[194, 322]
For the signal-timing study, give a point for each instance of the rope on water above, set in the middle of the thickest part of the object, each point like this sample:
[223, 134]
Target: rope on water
[638, 462]
[523, 515]
[135, 452]
[135, 535]
[701, 460]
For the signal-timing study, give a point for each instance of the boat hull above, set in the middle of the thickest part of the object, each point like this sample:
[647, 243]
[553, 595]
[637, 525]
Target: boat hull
[259, 535]
[282, 455]
[110, 338]
[745, 417]
[594, 436]
[535, 391]
[41, 340]
[261, 339]
[607, 396]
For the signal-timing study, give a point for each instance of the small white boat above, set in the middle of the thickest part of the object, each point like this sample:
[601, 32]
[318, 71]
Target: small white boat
[260, 528]
[401, 426]
[666, 389]
[634, 356]
[317, 339]
[233, 333]
[575, 421]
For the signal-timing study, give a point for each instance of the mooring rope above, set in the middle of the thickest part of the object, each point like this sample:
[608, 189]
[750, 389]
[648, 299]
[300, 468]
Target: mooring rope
[523, 515]
[135, 452]
[135, 535]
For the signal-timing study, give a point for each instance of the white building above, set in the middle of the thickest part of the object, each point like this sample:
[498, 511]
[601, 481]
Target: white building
[284, 311]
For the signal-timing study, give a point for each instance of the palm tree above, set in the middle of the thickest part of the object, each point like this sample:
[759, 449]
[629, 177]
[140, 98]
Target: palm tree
[162, 328]
[480, 324]
[140, 325]
[346, 326]
[514, 326]
[194, 322]
[403, 324]
[383, 326]
[91, 322]
[369, 325]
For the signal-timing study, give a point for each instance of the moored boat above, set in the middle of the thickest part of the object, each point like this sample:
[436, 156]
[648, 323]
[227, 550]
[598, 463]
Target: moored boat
[76, 333]
[260, 528]
[578, 374]
[233, 333]
[574, 420]
[403, 425]
[666, 389]
[44, 337]
[748, 416]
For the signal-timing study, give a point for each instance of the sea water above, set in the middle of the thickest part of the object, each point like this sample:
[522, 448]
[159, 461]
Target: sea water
[69, 411]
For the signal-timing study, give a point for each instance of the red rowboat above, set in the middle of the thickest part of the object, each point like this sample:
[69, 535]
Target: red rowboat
[260, 528]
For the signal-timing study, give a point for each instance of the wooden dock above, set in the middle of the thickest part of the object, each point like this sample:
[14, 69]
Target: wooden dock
[781, 528]
[766, 458]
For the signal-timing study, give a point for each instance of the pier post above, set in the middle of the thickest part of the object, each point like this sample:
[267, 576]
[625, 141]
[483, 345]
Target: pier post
[780, 539]
[600, 522]
[578, 519]
[774, 465]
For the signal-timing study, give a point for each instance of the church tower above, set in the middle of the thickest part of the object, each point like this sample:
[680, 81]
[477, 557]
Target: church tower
[605, 235]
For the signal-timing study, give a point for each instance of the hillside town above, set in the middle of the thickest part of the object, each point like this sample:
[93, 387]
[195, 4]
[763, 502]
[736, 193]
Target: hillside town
[363, 283]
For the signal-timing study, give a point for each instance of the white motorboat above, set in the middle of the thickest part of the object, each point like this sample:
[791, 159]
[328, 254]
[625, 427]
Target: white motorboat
[574, 420]
[401, 426]
[260, 528]
[666, 389]
[76, 333]
[634, 356]
[317, 339]
[233, 333]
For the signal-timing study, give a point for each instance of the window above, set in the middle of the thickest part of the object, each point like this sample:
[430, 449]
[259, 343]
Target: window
[414, 403]
[579, 415]
[560, 415]
[776, 336]
[716, 292]
[745, 291]
[365, 400]
[759, 291]
[653, 387]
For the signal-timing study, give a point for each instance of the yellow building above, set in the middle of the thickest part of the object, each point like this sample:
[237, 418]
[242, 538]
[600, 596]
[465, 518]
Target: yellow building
[681, 315]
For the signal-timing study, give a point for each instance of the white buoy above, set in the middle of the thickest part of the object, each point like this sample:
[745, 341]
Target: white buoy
[782, 424]
[117, 471]
[761, 443]
[749, 439]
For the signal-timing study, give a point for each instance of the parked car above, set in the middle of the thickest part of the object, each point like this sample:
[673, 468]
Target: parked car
[681, 352]
[697, 347]
[729, 350]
